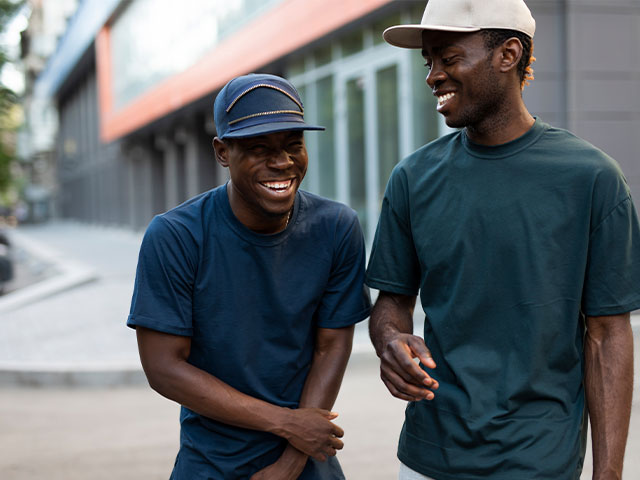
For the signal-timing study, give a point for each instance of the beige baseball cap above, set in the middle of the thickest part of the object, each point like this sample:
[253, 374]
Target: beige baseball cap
[464, 16]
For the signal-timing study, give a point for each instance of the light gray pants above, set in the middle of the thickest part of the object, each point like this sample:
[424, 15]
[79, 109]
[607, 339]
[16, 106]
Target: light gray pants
[407, 474]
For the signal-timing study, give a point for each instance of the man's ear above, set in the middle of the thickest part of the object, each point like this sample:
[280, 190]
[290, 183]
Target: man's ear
[222, 152]
[511, 52]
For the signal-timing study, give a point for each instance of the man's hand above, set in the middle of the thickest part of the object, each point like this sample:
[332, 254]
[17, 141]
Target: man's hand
[311, 431]
[404, 378]
[288, 467]
[390, 328]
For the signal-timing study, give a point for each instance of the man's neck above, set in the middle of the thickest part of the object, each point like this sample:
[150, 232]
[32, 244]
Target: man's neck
[502, 127]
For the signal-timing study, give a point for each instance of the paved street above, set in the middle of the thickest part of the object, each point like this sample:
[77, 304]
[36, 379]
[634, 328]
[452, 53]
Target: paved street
[68, 332]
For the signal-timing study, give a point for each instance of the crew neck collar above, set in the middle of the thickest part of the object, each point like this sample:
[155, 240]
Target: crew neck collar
[494, 152]
[257, 238]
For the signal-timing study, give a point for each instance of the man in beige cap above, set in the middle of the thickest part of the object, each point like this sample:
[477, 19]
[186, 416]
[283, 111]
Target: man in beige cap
[524, 245]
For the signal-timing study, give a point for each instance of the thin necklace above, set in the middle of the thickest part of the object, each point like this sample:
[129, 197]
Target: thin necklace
[288, 218]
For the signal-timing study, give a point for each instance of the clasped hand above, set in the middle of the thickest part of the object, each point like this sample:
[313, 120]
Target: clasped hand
[311, 431]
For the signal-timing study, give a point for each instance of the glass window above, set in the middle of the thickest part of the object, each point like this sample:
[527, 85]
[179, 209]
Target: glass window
[352, 43]
[356, 149]
[306, 184]
[388, 136]
[425, 116]
[417, 11]
[169, 39]
[322, 56]
[296, 67]
[326, 139]
[381, 25]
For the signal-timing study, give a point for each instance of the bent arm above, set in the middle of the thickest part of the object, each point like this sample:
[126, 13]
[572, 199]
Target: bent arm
[164, 360]
[608, 387]
[390, 329]
[330, 358]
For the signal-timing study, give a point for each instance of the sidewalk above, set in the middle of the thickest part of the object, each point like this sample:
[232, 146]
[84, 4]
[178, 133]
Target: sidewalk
[74, 321]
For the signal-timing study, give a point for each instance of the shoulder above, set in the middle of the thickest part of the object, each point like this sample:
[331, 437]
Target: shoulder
[189, 220]
[430, 159]
[574, 149]
[586, 160]
[435, 151]
[328, 219]
[324, 210]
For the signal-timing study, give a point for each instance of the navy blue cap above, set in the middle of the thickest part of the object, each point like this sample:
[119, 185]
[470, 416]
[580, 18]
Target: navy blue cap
[258, 104]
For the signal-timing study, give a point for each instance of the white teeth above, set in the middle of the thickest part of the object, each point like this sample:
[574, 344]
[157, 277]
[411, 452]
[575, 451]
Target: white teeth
[277, 185]
[442, 99]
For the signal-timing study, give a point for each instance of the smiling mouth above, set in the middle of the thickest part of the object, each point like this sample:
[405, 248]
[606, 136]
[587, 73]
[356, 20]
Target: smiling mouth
[442, 99]
[278, 187]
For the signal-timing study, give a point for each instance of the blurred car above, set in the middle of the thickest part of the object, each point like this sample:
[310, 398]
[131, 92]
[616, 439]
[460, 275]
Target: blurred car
[6, 261]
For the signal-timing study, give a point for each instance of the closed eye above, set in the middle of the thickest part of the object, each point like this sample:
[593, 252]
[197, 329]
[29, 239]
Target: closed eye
[259, 149]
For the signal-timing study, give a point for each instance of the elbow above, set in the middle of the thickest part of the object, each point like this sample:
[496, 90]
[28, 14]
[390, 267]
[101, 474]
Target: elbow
[338, 347]
[160, 377]
[154, 377]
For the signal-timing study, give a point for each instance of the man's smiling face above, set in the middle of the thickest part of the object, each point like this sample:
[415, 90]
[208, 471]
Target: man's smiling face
[463, 77]
[266, 172]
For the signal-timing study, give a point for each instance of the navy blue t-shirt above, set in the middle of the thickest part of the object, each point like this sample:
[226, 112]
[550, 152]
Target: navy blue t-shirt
[251, 304]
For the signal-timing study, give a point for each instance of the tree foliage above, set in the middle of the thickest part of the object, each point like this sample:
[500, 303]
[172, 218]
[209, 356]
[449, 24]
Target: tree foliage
[8, 99]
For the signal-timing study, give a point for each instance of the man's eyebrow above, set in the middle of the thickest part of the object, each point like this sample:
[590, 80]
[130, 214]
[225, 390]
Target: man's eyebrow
[438, 49]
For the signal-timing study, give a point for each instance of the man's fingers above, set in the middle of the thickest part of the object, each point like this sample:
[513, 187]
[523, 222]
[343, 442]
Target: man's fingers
[399, 394]
[321, 457]
[402, 389]
[336, 443]
[402, 363]
[419, 349]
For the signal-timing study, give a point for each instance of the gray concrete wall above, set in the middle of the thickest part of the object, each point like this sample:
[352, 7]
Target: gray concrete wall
[546, 96]
[588, 74]
[604, 79]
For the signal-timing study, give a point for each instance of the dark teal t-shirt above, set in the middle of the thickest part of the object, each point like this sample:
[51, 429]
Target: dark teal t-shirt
[509, 247]
[251, 304]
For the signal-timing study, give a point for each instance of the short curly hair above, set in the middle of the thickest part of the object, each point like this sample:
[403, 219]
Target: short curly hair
[494, 37]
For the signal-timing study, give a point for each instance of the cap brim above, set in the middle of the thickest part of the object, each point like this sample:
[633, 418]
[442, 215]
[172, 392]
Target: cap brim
[410, 36]
[267, 128]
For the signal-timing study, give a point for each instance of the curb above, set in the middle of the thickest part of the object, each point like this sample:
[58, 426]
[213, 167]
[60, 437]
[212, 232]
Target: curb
[100, 376]
[71, 275]
[71, 376]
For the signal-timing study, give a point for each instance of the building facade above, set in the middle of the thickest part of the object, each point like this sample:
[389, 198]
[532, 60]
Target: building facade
[135, 94]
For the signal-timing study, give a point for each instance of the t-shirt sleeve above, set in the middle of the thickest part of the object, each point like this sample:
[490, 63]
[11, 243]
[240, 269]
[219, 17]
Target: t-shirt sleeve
[346, 299]
[393, 265]
[612, 281]
[162, 295]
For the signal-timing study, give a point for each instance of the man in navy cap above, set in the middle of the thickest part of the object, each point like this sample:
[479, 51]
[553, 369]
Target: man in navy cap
[524, 245]
[246, 298]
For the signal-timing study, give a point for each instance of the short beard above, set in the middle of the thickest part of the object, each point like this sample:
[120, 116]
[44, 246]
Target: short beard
[474, 118]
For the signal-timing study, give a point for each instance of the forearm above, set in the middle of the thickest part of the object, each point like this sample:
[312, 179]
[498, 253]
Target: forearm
[329, 363]
[608, 389]
[321, 388]
[392, 314]
[209, 396]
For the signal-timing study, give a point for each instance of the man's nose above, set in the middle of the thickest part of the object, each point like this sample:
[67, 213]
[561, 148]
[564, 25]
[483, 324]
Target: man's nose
[435, 76]
[280, 159]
